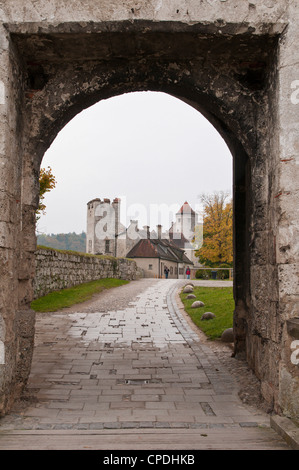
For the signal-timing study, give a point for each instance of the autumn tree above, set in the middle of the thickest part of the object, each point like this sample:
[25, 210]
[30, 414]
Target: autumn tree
[46, 183]
[217, 247]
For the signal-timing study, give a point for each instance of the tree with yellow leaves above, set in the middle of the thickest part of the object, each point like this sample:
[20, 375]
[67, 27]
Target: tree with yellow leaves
[217, 247]
[46, 183]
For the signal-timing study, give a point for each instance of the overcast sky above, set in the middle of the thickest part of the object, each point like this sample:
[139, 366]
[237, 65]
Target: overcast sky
[149, 149]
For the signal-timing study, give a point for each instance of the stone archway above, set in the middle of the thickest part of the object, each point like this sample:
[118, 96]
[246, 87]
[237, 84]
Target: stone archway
[226, 71]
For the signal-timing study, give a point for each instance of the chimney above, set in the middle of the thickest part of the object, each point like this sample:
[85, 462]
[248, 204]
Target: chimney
[116, 207]
[159, 231]
[147, 229]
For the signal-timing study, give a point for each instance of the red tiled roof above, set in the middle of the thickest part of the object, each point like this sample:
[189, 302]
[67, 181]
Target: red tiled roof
[143, 249]
[158, 248]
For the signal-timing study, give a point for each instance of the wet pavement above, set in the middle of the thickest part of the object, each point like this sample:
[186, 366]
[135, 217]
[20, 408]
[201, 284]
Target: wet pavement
[133, 364]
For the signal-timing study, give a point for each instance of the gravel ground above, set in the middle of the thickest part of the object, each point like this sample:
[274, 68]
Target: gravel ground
[112, 299]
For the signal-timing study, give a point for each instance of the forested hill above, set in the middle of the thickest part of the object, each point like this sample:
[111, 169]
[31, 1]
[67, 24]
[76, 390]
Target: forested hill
[64, 241]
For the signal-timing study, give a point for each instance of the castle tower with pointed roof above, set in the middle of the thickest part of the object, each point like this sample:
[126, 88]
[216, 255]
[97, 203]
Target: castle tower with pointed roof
[184, 225]
[182, 231]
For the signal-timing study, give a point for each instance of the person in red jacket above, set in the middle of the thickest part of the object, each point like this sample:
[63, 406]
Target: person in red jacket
[188, 272]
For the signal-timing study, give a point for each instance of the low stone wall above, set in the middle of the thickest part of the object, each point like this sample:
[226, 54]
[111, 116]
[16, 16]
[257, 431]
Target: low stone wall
[57, 269]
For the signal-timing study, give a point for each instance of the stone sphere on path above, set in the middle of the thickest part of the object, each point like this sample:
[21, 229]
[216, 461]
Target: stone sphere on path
[197, 304]
[208, 316]
[228, 336]
[188, 289]
[191, 296]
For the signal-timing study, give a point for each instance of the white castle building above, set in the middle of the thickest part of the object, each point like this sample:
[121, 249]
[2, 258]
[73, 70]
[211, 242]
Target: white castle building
[153, 251]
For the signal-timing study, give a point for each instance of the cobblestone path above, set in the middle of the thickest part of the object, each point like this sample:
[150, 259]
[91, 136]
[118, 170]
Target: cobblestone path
[128, 363]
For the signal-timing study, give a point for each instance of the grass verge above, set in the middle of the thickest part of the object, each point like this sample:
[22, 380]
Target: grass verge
[74, 295]
[218, 300]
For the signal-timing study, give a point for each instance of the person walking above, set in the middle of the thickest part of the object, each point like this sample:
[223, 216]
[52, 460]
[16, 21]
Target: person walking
[166, 271]
[188, 272]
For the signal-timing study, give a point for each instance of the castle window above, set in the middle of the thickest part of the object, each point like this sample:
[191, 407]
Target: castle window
[150, 267]
[107, 246]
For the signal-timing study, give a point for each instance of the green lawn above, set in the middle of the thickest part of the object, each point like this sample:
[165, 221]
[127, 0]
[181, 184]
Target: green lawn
[218, 300]
[67, 297]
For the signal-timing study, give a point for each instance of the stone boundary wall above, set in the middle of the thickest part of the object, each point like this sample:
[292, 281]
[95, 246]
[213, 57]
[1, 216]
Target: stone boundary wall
[57, 270]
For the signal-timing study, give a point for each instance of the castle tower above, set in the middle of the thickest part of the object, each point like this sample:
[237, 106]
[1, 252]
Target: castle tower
[182, 231]
[186, 220]
[116, 208]
[90, 231]
[103, 223]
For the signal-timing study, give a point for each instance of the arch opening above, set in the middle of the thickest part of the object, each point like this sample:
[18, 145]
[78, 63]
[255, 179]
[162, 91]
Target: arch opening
[240, 169]
[140, 344]
[127, 159]
[241, 183]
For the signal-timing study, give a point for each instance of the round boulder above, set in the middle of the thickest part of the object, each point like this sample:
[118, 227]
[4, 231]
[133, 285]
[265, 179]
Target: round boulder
[191, 296]
[197, 304]
[228, 336]
[188, 290]
[208, 316]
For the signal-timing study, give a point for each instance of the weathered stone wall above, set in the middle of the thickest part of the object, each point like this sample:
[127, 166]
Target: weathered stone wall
[57, 270]
[285, 210]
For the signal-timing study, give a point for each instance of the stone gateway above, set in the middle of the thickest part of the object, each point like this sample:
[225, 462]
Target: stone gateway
[236, 62]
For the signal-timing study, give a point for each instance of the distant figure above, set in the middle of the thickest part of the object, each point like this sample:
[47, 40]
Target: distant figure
[166, 271]
[188, 272]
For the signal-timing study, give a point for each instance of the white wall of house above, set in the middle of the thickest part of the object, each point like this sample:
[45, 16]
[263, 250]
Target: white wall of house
[150, 266]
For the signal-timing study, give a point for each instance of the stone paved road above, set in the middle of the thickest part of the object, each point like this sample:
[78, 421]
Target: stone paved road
[124, 362]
